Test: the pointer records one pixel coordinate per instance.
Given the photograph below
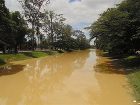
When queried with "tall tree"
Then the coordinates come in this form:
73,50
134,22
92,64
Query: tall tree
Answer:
53,26
20,27
33,13
117,29
81,40
5,24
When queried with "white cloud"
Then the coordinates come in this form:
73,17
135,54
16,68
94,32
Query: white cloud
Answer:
78,14
85,11
13,5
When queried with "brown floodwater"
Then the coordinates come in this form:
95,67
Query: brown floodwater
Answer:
65,79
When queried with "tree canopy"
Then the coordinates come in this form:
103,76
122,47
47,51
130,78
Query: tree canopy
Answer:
37,28
118,29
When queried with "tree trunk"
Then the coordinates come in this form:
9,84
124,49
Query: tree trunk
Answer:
33,46
3,50
16,49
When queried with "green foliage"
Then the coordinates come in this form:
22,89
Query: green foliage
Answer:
5,22
7,58
2,62
15,34
117,29
12,29
61,36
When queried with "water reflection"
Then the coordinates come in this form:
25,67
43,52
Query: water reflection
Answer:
40,77
10,69
67,79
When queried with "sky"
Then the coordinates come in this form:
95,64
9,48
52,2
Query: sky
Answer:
79,13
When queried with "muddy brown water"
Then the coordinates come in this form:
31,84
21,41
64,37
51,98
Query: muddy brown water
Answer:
66,79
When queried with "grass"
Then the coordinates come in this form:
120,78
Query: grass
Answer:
134,80
7,58
130,57
133,63
35,54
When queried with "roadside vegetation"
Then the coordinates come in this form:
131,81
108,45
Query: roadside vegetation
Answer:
7,58
117,32
37,28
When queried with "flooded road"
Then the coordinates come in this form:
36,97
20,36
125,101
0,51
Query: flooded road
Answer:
66,79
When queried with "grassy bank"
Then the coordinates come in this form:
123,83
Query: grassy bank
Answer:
7,58
133,64
130,64
134,79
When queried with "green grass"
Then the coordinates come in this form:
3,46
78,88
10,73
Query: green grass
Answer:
131,61
134,79
35,54
130,57
6,58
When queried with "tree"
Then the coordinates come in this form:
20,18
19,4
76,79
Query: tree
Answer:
132,7
5,25
20,29
117,29
52,26
33,14
81,40
12,29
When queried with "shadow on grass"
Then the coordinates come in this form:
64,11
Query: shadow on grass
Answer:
29,54
2,62
128,65
10,69
119,64
37,54
109,68
50,52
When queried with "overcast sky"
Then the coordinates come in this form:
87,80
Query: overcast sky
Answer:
79,13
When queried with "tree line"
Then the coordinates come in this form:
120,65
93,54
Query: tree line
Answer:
118,29
36,28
